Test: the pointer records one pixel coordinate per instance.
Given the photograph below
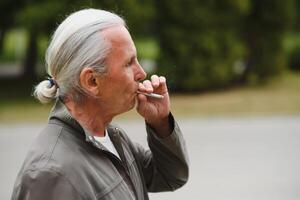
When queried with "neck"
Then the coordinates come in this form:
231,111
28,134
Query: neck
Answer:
90,116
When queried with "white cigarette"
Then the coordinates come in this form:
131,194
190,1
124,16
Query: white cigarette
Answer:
158,96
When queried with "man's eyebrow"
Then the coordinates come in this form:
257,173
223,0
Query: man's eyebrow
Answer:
131,57
127,60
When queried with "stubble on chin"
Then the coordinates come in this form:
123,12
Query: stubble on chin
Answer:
134,102
131,105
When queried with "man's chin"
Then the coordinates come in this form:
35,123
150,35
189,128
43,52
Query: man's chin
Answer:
131,106
134,102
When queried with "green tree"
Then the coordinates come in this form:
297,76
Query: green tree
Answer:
41,17
8,10
200,42
264,31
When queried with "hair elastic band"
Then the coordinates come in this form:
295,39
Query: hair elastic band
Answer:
52,82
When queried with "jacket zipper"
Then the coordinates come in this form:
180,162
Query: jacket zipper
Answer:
127,177
125,169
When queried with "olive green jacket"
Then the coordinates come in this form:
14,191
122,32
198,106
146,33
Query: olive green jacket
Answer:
64,163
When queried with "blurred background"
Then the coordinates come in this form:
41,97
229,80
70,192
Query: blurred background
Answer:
233,70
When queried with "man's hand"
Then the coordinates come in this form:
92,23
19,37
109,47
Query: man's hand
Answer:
155,111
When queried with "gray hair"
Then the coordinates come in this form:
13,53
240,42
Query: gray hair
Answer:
77,43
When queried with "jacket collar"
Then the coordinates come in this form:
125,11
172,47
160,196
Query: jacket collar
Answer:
60,113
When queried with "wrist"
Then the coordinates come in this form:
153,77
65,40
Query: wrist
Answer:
162,127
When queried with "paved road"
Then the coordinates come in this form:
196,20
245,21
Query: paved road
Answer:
231,159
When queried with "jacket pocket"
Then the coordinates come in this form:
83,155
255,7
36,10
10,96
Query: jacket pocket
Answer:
117,191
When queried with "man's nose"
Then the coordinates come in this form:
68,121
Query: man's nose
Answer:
140,73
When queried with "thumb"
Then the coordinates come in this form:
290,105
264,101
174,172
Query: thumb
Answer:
141,102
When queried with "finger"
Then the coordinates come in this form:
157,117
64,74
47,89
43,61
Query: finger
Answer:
155,81
163,84
141,96
142,99
148,86
142,88
162,80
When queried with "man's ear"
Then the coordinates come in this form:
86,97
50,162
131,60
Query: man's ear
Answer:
88,81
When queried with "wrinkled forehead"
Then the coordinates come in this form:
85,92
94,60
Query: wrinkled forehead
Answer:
117,35
119,39
122,47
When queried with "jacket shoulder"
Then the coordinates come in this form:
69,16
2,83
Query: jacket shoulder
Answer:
42,148
33,184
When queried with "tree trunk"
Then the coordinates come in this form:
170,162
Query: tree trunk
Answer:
30,60
2,35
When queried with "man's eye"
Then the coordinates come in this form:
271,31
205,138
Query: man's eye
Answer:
128,64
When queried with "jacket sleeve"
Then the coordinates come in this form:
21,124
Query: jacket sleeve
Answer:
46,184
165,165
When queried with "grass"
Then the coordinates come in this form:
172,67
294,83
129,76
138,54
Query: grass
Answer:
279,97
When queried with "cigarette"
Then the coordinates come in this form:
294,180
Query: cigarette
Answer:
158,96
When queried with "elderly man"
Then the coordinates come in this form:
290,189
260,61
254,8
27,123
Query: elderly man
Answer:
95,75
